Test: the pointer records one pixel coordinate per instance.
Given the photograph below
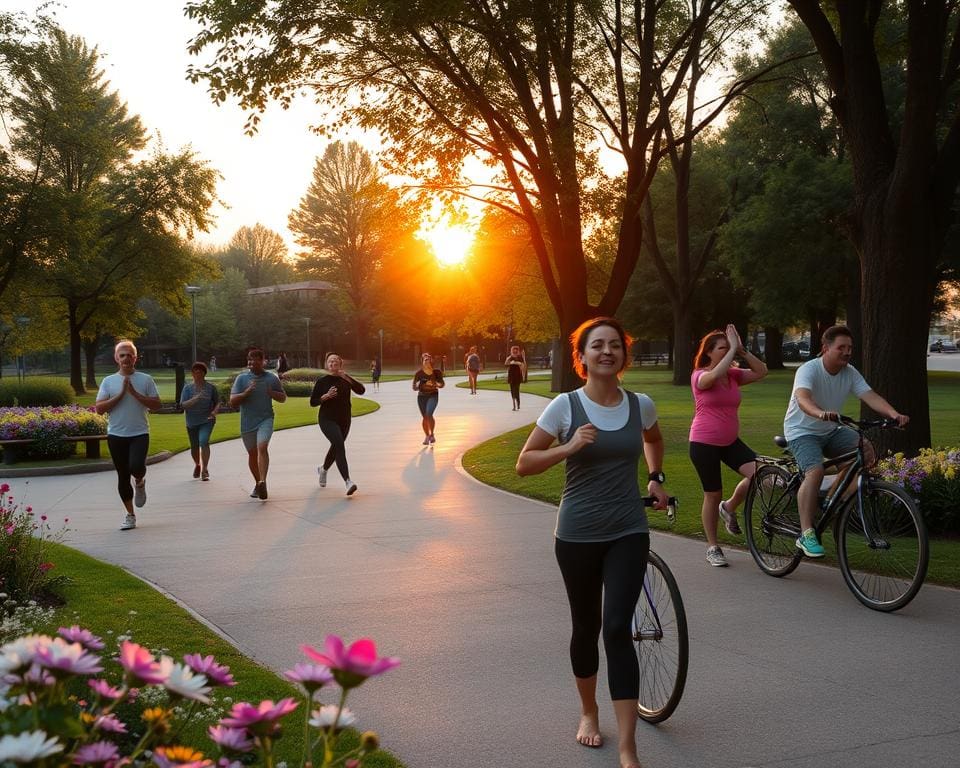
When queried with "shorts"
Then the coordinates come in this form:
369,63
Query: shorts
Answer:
706,460
200,434
810,450
259,436
427,404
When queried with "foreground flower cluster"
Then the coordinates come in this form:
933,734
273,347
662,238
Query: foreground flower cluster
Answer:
48,425
58,708
26,571
934,478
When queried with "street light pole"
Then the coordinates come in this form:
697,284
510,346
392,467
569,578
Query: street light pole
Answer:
193,290
381,348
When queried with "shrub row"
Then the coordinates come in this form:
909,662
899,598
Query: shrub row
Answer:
294,387
933,478
36,391
48,426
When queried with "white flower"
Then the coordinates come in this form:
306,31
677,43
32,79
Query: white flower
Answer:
19,653
28,747
327,716
180,680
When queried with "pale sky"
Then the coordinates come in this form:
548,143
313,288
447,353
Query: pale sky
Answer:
142,45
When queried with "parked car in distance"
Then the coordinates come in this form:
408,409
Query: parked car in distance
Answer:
794,351
943,345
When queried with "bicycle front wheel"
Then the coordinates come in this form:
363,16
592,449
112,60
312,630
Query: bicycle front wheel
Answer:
884,551
662,645
772,521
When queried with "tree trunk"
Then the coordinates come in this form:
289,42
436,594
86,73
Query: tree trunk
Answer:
773,347
76,372
90,353
682,345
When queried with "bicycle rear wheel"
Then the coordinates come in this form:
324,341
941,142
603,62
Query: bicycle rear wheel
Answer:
662,645
884,552
772,521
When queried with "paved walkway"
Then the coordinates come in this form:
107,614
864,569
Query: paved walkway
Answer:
459,581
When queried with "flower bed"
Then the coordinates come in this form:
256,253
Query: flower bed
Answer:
48,426
933,478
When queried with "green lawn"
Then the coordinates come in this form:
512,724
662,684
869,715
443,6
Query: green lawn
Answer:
110,602
761,417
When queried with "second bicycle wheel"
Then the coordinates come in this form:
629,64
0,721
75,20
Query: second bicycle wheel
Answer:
661,642
883,552
772,520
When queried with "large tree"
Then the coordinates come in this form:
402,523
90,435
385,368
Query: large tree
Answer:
906,170
261,254
544,90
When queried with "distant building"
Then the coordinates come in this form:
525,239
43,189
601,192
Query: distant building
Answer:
302,290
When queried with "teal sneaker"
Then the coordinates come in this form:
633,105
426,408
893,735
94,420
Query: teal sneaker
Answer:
809,545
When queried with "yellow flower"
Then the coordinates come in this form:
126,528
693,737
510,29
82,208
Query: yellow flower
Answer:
180,754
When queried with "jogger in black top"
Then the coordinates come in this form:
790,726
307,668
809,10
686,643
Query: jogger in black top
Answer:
332,394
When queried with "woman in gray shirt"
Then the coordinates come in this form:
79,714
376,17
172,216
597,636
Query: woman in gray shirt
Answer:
602,538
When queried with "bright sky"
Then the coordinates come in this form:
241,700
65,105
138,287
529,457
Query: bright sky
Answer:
142,44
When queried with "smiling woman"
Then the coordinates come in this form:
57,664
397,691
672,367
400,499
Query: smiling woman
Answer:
450,243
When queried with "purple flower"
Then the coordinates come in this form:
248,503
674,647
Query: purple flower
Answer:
353,664
85,637
99,753
260,719
65,658
310,676
217,674
231,739
109,724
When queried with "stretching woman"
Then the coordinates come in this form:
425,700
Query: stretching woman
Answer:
427,383
332,394
602,538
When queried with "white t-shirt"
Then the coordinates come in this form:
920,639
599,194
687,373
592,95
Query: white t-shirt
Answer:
830,391
557,417
128,418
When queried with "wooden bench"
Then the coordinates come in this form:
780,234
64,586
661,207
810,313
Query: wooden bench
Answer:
12,448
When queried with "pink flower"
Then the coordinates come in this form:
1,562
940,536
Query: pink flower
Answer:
230,739
99,753
103,689
310,676
217,674
351,665
85,637
65,658
139,664
261,719
179,680
4,488
109,724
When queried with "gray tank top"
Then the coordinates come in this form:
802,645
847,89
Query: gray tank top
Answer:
601,496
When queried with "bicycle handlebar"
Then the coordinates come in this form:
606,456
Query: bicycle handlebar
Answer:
863,424
672,503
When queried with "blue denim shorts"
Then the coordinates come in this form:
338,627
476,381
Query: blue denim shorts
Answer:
200,434
810,450
259,436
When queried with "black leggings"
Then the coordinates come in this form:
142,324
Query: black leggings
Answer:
129,456
515,392
336,433
604,580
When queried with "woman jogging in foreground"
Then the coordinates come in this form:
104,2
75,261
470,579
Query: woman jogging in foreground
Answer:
332,394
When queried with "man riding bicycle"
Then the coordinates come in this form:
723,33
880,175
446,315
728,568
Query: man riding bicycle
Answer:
820,388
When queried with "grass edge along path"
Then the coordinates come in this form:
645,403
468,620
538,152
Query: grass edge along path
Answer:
761,416
110,601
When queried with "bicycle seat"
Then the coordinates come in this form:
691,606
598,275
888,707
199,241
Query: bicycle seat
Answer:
780,440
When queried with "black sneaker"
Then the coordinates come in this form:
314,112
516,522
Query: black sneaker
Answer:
262,489
253,493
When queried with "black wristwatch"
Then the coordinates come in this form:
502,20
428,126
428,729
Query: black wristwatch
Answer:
657,477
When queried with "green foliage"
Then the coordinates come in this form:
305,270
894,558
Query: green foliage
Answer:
934,478
26,568
36,390
303,374
298,388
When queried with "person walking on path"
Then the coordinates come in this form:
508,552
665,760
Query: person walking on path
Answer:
375,372
332,394
253,393
282,365
200,402
427,383
715,430
471,362
516,369
127,396
602,537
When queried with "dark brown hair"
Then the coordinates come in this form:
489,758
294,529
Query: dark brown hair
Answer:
578,342
707,343
830,335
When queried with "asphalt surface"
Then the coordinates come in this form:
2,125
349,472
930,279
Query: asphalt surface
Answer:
459,581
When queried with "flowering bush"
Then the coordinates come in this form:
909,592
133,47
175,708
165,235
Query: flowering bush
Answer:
48,426
43,724
934,478
26,572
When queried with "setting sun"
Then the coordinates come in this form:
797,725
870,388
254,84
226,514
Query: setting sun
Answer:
450,243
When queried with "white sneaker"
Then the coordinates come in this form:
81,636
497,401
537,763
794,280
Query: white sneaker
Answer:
351,487
716,557
140,492
130,521
729,520
322,477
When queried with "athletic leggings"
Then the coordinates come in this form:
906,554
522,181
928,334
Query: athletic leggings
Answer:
604,580
515,392
336,433
129,456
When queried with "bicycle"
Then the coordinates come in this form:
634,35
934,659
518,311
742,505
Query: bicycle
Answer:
880,537
660,638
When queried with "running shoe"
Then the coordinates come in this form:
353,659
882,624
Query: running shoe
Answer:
262,489
322,477
426,440
140,492
254,494
809,545
129,522
351,487
716,557
433,439
205,475
196,471
729,520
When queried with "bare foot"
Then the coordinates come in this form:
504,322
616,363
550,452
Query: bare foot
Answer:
588,733
629,760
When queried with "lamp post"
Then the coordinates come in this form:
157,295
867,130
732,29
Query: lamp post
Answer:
193,290
380,359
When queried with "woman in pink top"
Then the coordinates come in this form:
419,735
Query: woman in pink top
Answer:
714,433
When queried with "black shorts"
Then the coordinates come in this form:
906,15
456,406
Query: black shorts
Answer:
706,460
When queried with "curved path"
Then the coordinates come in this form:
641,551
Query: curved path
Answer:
459,581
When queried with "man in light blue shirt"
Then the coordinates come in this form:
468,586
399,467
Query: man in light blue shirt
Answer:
820,389
253,392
